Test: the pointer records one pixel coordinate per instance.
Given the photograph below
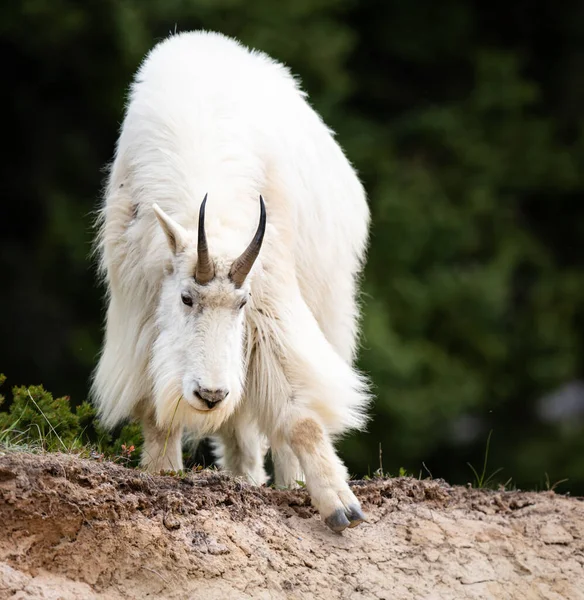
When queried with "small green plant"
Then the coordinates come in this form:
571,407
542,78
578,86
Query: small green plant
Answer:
481,480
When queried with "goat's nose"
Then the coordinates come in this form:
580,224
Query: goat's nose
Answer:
211,397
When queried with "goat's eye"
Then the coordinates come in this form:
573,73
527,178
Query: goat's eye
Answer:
186,299
243,303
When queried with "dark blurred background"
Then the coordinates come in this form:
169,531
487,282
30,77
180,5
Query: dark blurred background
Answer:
465,121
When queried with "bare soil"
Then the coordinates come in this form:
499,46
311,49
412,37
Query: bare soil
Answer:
73,529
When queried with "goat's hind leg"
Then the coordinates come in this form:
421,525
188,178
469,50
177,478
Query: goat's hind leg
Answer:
240,448
287,470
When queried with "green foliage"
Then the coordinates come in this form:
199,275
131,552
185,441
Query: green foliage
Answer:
469,310
36,420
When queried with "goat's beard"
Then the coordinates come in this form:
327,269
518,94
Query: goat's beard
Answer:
173,410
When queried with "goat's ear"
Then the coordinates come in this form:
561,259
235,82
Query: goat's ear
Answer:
176,235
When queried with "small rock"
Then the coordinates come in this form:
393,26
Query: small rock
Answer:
215,548
552,533
432,555
171,522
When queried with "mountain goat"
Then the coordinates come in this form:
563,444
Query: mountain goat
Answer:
231,239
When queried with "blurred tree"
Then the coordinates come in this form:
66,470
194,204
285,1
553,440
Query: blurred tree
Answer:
475,262
465,122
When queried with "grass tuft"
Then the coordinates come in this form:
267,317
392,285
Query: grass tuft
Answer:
482,481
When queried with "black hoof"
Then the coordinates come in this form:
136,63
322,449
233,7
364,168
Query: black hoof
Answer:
338,521
355,515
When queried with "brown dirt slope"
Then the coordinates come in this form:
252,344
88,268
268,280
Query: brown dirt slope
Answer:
80,529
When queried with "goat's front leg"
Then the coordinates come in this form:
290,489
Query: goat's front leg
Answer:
326,476
162,450
313,393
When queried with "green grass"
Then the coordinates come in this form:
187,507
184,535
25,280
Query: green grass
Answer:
482,480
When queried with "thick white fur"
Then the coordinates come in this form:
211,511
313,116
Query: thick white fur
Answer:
207,116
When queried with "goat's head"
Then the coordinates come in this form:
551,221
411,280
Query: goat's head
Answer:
201,317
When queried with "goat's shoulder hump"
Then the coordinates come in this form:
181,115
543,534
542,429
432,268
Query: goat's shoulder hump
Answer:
217,53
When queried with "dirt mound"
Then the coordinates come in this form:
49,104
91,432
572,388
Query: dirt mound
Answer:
80,529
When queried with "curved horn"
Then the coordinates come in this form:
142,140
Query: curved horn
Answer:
242,265
204,271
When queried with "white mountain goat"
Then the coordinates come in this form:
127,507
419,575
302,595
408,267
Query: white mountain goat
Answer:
250,342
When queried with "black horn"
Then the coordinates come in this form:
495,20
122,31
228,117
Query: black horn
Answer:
204,271
242,265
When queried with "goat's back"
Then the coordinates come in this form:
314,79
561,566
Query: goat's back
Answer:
208,116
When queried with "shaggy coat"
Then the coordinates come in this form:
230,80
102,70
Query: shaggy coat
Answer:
265,363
